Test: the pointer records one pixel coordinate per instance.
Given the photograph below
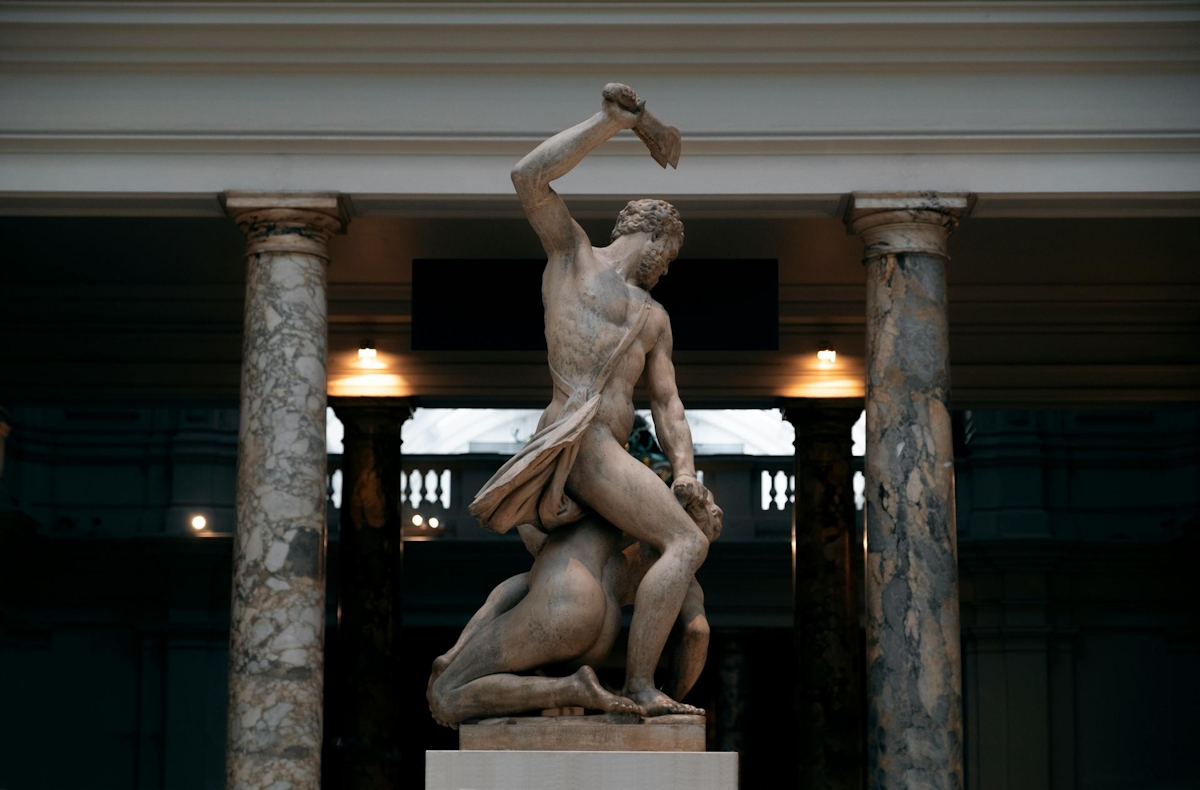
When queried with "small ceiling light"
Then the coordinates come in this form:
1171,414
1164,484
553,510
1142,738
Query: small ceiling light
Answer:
827,356
434,523
368,357
417,520
199,523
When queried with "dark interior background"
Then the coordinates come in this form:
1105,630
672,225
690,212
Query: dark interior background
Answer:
495,305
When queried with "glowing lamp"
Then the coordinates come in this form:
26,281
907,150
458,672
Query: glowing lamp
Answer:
199,523
368,357
434,523
417,520
827,356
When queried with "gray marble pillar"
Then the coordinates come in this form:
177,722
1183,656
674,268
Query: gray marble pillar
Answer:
826,588
914,667
369,732
278,615
732,695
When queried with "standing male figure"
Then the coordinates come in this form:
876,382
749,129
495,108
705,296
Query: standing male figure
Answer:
603,331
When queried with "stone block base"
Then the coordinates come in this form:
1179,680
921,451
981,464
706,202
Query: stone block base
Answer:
503,770
602,733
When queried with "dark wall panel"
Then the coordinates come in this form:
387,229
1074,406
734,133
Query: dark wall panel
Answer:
496,305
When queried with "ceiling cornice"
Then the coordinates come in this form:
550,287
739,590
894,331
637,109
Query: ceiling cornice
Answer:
119,107
684,36
698,144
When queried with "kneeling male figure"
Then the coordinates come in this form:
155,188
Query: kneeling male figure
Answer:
566,611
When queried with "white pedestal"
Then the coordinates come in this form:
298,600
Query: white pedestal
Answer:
500,770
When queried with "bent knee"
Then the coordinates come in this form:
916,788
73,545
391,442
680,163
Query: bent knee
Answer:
690,545
697,629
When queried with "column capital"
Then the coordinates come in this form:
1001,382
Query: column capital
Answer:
807,413
368,416
283,222
892,223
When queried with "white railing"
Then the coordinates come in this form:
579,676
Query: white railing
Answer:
756,493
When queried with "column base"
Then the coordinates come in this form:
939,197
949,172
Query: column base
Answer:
525,770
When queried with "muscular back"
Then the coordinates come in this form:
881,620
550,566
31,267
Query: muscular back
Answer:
589,308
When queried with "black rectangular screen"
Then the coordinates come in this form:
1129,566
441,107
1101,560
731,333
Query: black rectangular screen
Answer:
496,305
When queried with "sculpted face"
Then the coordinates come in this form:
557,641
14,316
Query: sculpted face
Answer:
655,260
656,224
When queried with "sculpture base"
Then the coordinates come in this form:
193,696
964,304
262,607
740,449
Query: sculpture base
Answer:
600,733
562,770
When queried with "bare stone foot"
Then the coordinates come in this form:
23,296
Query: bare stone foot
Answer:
451,724
657,703
593,696
434,714
436,717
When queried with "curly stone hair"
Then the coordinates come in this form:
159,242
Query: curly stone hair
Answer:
651,216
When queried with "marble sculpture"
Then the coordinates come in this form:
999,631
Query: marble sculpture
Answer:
604,529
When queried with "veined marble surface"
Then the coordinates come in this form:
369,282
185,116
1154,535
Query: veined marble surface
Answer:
914,683
277,630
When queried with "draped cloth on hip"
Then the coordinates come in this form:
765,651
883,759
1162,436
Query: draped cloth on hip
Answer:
530,487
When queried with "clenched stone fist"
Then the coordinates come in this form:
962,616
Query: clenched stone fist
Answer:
622,104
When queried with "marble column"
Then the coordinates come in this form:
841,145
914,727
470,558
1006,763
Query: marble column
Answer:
732,695
368,733
826,582
914,666
278,615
